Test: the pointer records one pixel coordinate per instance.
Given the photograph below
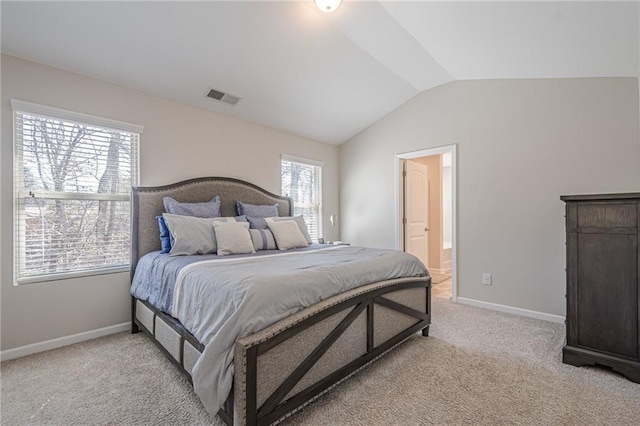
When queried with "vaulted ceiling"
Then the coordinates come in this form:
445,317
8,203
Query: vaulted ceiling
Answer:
322,76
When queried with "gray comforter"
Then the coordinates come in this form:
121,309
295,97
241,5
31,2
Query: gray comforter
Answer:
222,300
156,274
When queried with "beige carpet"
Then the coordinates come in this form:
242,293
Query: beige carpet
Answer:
478,368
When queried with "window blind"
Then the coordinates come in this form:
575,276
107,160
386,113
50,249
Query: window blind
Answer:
73,179
302,181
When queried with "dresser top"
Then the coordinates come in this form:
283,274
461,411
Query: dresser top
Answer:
594,197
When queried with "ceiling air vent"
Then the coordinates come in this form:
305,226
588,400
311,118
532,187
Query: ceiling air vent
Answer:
223,97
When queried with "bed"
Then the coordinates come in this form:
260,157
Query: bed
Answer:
281,367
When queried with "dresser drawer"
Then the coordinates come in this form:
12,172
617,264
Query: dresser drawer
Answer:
603,216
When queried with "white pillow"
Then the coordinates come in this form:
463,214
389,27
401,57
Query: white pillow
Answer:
192,235
299,220
233,238
287,234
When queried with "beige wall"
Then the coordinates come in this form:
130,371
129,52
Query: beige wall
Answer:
521,144
178,142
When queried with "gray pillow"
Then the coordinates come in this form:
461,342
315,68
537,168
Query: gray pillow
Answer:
287,234
233,238
206,209
299,220
255,210
263,239
192,235
256,222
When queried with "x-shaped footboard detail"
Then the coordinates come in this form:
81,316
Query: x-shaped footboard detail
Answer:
335,350
310,361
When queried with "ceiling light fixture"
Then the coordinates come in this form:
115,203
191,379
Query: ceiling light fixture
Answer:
327,5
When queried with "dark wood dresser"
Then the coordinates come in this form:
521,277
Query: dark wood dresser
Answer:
603,265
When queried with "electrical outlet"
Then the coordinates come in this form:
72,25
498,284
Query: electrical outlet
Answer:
486,279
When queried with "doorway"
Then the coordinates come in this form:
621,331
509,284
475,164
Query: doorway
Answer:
426,213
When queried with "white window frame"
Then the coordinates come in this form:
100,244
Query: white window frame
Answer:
19,192
307,161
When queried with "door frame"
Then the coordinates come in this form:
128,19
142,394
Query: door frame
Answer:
399,231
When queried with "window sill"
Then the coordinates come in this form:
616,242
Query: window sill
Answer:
71,275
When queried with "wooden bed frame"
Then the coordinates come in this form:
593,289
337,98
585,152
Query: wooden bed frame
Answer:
282,368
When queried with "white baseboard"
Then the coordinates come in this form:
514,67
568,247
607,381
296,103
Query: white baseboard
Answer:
511,310
62,341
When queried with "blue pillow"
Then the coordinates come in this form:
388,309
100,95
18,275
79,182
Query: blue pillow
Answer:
206,209
254,210
257,222
165,237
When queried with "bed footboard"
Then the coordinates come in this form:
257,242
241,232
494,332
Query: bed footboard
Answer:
292,362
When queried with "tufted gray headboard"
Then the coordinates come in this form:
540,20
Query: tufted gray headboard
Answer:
147,204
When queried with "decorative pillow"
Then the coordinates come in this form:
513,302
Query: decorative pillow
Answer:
287,234
233,238
299,220
254,210
263,239
224,219
207,209
165,237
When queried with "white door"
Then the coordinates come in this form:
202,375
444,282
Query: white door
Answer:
416,208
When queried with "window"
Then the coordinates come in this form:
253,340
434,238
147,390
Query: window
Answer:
302,181
72,196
